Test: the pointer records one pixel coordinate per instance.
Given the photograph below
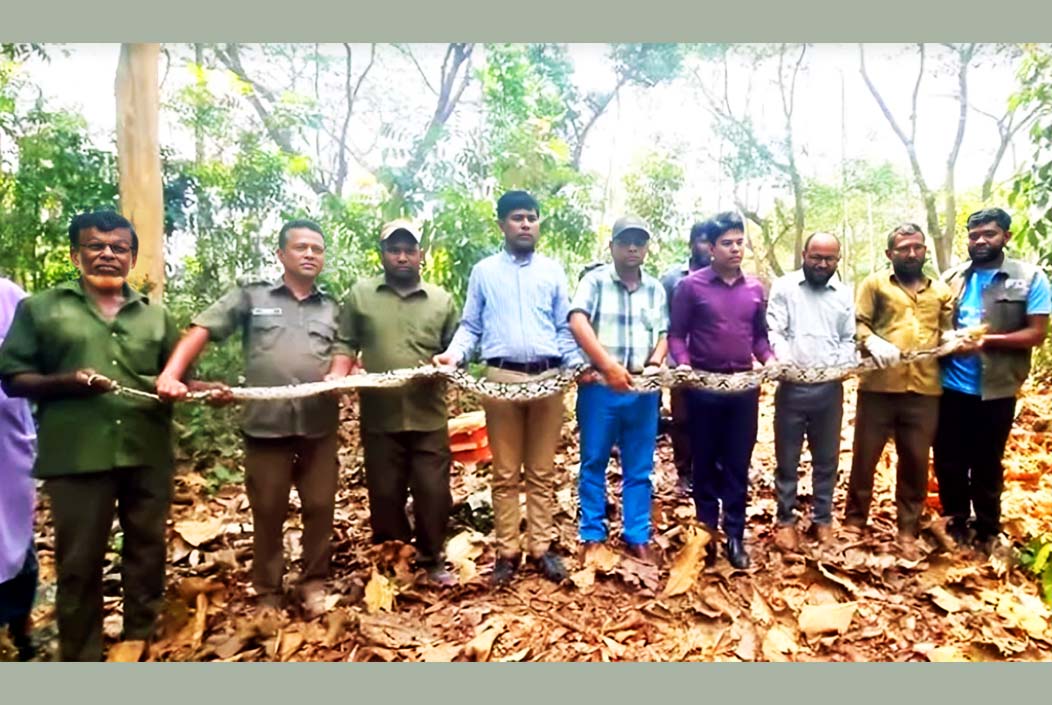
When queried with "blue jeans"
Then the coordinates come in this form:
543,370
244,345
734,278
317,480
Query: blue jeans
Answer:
630,420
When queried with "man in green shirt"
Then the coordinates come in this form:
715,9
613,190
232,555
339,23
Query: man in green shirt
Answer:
97,450
288,337
397,321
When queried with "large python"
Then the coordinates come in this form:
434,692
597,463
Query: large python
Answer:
557,382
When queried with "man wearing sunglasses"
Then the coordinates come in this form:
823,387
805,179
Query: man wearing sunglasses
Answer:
98,452
619,318
896,310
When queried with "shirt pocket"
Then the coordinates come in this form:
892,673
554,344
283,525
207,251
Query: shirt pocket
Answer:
321,335
264,332
143,356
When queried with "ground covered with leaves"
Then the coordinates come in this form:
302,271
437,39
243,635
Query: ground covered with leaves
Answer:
852,601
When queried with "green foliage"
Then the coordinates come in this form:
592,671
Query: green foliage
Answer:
1032,189
1036,559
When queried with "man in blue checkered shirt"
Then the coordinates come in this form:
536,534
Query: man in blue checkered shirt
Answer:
619,316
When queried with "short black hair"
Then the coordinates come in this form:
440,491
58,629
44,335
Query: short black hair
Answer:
104,221
821,232
991,215
904,229
283,235
515,200
700,230
723,223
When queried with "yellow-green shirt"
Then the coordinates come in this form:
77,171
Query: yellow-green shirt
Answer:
60,331
910,321
396,331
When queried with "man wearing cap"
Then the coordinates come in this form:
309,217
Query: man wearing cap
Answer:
516,312
619,318
100,455
397,321
289,337
700,257
718,325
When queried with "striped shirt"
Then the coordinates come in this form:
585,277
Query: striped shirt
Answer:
627,323
516,309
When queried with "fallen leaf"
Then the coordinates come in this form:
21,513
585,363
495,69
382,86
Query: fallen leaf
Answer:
462,550
779,641
822,619
196,533
200,620
394,631
229,648
335,624
180,549
601,558
517,656
638,573
442,652
126,651
290,644
584,578
379,594
480,648
687,564
945,599
189,588
746,648
616,650
759,608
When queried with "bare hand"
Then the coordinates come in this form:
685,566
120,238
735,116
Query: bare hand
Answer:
219,394
445,359
618,378
589,376
171,389
97,383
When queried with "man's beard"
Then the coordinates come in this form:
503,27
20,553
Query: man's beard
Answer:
990,254
908,271
815,279
105,282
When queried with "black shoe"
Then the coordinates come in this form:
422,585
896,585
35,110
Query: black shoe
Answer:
736,554
503,571
551,566
710,554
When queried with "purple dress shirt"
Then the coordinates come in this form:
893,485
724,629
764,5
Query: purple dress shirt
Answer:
718,327
17,448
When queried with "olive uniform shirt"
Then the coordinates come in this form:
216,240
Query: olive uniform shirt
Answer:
285,341
910,321
59,331
395,331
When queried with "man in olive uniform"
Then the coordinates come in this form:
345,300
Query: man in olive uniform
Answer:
98,451
397,321
289,337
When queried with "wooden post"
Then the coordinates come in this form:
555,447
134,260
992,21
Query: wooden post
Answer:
139,161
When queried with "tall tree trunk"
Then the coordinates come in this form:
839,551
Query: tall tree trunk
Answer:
139,161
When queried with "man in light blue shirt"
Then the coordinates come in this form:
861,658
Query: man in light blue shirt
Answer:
977,408
516,314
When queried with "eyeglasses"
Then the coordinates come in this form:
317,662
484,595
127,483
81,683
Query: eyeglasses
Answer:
631,239
823,259
97,248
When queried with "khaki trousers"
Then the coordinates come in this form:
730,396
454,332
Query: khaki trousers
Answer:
523,437
272,467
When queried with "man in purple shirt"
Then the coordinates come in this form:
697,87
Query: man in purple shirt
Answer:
719,324
18,565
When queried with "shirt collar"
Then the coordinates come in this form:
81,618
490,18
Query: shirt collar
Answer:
834,282
279,284
381,283
77,287
708,274
925,280
520,261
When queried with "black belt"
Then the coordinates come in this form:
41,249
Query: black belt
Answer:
530,368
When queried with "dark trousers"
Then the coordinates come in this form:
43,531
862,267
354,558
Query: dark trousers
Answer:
16,602
911,419
969,445
398,464
815,411
679,433
723,433
82,508
272,467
